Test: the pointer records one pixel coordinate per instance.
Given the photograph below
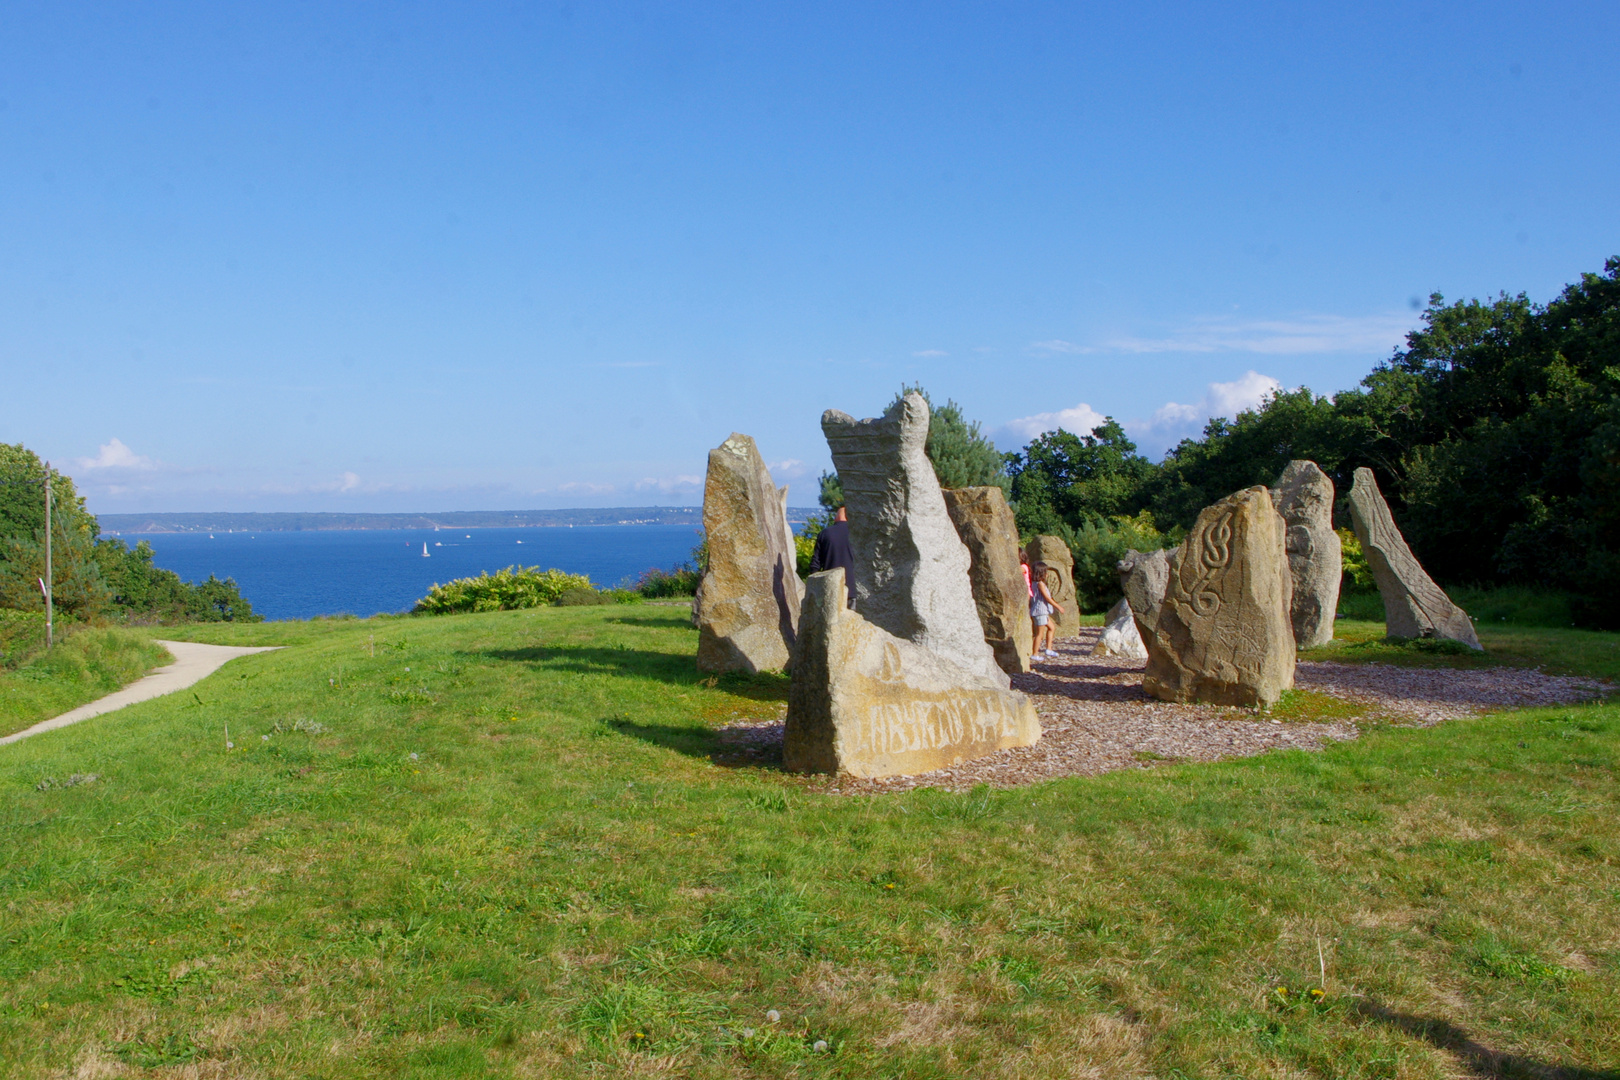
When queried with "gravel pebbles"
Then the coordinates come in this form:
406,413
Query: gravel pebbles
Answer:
1096,719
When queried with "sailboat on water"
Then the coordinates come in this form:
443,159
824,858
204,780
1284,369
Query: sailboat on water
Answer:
425,554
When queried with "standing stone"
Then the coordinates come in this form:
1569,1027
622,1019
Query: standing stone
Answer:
1119,636
1304,497
1144,576
864,702
1059,582
911,569
747,607
1223,634
1414,606
985,523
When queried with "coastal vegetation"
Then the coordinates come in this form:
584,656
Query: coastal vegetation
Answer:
95,578
1494,433
518,844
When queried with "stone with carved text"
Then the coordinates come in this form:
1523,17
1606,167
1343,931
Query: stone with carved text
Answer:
1223,633
1414,606
866,703
747,607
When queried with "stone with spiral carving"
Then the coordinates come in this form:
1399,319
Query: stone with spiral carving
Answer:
1223,634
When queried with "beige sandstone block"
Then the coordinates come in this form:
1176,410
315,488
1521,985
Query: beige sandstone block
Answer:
866,703
1223,633
985,523
747,607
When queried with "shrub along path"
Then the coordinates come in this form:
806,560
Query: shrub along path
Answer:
500,845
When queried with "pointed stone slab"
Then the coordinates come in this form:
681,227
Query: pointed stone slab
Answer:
911,569
1414,606
985,523
1223,634
1304,497
747,607
1119,636
866,703
1144,576
1059,561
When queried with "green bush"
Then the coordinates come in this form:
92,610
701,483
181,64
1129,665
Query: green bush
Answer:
1097,547
666,584
22,635
507,590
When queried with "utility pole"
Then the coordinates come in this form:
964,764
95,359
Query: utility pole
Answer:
50,582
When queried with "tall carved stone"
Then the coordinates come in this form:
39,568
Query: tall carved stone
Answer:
1059,582
1304,497
1414,606
1223,634
864,702
911,569
747,607
985,523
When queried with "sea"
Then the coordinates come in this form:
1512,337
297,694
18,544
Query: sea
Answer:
298,575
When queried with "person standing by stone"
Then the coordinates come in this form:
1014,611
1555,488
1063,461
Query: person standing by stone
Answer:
1042,607
833,550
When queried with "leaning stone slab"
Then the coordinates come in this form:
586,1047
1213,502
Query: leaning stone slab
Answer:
1144,576
1119,636
1223,634
985,523
1059,582
866,703
1414,606
747,607
1303,495
911,569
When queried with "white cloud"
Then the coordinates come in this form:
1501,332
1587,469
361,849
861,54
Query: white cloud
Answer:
1016,433
577,488
669,483
1057,345
931,352
1302,334
1173,419
787,468
350,482
115,455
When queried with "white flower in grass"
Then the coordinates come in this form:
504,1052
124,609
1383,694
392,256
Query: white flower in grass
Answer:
820,1047
773,1016
413,756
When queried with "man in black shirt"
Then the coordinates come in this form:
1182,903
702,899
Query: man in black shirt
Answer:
832,549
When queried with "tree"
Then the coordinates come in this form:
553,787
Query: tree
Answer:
961,454
77,588
1063,479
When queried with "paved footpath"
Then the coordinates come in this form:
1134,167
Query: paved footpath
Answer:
192,664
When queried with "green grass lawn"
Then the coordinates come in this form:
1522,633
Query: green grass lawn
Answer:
88,664
496,845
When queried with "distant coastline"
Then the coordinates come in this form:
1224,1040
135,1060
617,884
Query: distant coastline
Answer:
120,524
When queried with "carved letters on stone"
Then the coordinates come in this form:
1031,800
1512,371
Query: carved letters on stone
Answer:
866,703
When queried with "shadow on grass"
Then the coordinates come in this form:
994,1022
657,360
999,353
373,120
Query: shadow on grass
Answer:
664,622
1474,1056
675,668
741,747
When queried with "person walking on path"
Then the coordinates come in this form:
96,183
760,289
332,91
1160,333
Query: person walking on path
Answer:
832,549
1041,607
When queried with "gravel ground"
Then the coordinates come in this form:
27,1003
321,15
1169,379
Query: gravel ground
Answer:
1096,719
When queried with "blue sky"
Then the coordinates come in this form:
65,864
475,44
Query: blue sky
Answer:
432,257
